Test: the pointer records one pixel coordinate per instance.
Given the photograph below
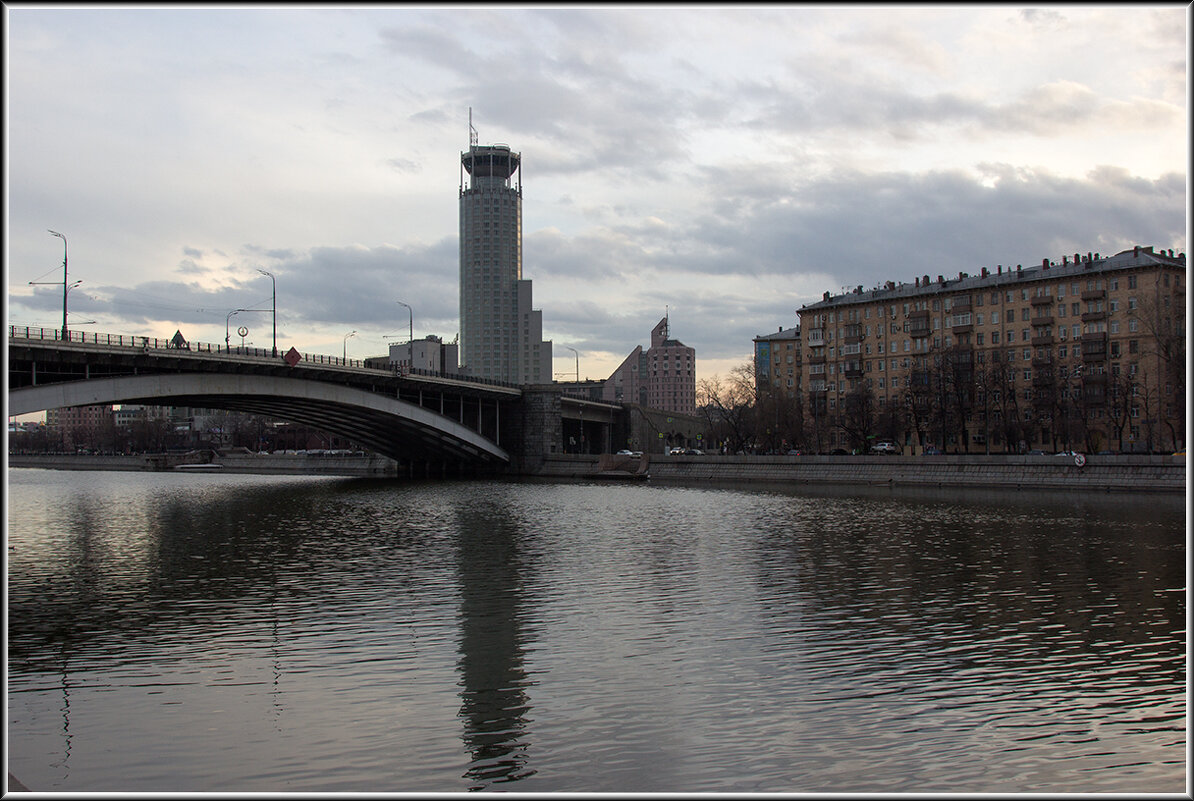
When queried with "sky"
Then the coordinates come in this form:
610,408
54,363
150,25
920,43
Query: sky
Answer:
722,165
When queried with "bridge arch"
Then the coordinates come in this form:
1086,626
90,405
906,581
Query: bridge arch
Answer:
390,426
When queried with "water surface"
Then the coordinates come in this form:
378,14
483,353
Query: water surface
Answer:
279,634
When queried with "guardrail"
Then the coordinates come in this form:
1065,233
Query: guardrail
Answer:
143,344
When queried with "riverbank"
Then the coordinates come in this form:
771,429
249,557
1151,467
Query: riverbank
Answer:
1106,473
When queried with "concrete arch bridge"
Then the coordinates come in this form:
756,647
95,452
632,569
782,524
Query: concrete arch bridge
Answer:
411,417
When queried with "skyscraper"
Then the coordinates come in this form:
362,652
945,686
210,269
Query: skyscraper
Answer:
501,336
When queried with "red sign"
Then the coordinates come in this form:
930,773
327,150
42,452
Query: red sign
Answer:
293,357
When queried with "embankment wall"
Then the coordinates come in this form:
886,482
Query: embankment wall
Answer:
262,464
1099,473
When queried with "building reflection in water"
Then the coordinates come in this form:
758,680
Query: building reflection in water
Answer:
493,570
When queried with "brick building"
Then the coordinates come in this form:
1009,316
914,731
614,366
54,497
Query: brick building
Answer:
661,377
1086,354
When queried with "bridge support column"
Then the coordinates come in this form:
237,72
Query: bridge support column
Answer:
539,429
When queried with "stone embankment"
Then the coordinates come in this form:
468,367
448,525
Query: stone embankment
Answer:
1099,473
1107,473
262,464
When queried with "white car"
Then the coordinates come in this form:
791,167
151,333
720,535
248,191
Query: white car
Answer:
885,447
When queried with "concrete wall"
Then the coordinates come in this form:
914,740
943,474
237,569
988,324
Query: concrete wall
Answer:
1100,473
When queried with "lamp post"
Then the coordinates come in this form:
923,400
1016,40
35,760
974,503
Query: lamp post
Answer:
227,323
274,304
346,336
65,286
574,350
410,346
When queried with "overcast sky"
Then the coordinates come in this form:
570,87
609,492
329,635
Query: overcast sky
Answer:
724,165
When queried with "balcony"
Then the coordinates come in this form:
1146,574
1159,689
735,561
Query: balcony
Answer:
1042,339
1093,316
1042,300
1094,294
1042,379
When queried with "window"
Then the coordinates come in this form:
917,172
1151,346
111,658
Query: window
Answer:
994,337
979,338
994,318
1131,303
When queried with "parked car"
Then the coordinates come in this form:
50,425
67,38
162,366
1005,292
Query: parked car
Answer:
886,446
693,452
932,450
794,452
625,452
1065,453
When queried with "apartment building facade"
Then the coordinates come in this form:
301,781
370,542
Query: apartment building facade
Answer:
1087,354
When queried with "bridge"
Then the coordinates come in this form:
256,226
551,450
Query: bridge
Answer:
413,416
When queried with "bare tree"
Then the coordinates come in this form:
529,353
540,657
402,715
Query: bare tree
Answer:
857,418
727,403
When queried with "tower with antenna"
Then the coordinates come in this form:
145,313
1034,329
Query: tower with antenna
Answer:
501,336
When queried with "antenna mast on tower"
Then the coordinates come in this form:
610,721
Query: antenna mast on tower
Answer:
472,132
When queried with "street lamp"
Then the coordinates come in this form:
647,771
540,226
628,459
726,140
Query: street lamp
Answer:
410,348
65,286
227,335
346,336
574,350
274,304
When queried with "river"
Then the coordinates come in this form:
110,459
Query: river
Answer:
239,633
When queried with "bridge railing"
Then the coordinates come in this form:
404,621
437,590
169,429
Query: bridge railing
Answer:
141,343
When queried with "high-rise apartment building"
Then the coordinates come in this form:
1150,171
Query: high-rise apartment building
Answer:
1086,354
501,335
662,377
